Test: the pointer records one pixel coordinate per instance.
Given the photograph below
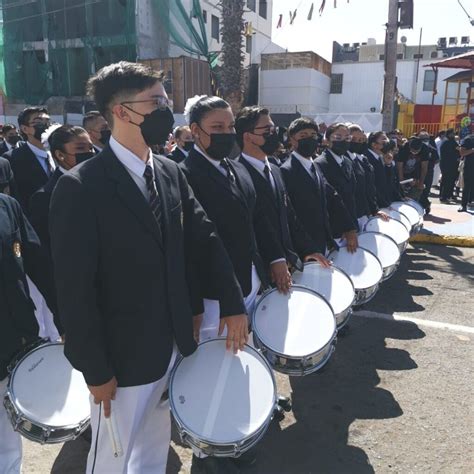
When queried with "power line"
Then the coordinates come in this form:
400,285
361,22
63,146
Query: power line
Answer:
465,11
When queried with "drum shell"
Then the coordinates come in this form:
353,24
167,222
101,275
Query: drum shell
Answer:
292,365
416,226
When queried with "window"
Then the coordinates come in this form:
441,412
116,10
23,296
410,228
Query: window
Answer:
262,8
418,56
204,16
215,27
382,57
251,4
336,83
400,56
429,81
248,44
434,54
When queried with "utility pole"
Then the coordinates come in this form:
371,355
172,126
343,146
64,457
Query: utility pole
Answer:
390,65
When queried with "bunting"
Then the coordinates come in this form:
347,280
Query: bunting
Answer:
293,16
310,13
280,20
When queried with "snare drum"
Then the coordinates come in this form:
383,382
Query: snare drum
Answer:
411,212
333,284
384,248
398,216
393,228
363,268
222,402
47,400
296,332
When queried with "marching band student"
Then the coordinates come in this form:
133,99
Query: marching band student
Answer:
97,128
366,194
258,140
338,169
317,204
133,224
184,144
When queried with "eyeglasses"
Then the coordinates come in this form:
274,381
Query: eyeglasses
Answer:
339,138
43,121
161,102
267,130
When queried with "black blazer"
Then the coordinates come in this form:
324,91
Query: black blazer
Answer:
317,204
123,289
28,173
371,190
39,209
361,195
3,147
238,218
342,180
177,155
291,235
20,254
394,188
380,179
6,176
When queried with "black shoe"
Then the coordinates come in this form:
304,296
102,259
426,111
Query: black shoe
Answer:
213,465
462,209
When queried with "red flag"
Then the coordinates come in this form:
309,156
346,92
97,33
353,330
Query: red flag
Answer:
280,20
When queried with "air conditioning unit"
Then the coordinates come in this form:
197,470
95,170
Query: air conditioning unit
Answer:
465,40
453,40
356,45
442,43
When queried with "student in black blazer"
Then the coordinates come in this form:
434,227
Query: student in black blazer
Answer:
317,204
184,144
124,227
338,168
31,164
6,177
258,139
69,145
10,140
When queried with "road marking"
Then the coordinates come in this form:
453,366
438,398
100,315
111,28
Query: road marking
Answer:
419,322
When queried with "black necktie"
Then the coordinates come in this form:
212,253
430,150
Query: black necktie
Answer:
345,169
154,197
267,172
314,173
230,175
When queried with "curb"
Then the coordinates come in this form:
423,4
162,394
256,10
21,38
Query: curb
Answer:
453,240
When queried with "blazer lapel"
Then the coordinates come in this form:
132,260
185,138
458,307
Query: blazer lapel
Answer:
163,185
130,195
305,176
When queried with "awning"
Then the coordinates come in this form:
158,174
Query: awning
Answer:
461,76
461,61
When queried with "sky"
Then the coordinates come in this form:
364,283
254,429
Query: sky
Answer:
358,20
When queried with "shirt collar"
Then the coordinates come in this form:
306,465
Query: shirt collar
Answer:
8,145
215,163
98,148
38,151
63,171
338,158
131,161
306,162
376,155
258,164
183,151
351,155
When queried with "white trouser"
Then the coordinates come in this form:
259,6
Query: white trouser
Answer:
211,319
10,440
43,315
143,426
362,221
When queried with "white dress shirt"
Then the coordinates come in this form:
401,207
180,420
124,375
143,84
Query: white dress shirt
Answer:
133,164
183,151
260,165
306,162
338,159
216,163
43,157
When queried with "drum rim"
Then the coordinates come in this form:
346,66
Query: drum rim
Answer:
388,237
389,209
373,255
10,393
336,269
395,220
210,441
420,217
277,352
415,205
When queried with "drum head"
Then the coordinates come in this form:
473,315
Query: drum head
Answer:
331,283
362,266
382,246
409,211
221,397
297,324
417,206
47,390
393,228
398,216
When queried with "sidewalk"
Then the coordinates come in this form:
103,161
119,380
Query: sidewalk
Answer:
445,225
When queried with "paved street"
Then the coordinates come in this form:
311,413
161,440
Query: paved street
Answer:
396,397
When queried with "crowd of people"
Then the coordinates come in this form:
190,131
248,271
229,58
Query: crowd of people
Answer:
140,257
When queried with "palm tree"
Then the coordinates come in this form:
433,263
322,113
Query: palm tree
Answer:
232,31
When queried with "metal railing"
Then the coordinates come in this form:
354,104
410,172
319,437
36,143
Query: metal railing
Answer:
432,128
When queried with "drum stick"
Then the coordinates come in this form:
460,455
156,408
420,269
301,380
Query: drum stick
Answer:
406,181
111,423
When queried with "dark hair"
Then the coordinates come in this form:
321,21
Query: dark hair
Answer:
301,123
178,131
450,131
90,117
415,143
333,127
121,79
355,128
441,132
8,127
373,137
25,114
204,105
247,119
62,135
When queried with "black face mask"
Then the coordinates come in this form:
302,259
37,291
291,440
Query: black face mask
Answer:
307,146
156,126
272,142
81,157
105,136
340,147
13,140
188,145
359,148
221,144
40,129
